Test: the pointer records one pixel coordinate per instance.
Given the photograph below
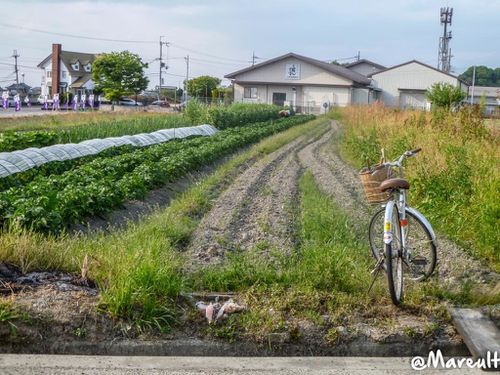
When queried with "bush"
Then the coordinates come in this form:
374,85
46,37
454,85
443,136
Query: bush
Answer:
197,112
242,113
445,95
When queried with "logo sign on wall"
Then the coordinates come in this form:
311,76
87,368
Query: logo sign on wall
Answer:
292,71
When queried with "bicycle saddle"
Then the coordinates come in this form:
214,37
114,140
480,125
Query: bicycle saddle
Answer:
394,183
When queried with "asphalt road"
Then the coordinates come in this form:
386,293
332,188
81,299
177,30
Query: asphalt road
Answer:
71,364
26,112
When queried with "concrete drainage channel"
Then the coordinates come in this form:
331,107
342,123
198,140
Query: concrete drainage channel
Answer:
360,347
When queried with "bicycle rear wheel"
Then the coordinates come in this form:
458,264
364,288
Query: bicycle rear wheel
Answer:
376,234
394,259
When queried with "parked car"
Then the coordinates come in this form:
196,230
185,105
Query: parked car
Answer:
129,102
161,103
41,100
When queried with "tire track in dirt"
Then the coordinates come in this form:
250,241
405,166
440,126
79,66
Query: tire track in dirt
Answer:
341,181
257,211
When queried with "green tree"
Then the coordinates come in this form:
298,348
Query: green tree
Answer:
484,76
117,74
445,95
202,87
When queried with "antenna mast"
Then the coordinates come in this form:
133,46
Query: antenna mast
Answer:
444,54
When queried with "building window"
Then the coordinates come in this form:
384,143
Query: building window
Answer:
250,92
87,68
63,74
49,74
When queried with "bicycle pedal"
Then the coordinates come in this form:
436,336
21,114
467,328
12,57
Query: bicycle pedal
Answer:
419,260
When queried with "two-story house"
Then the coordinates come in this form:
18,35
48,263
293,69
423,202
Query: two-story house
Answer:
65,71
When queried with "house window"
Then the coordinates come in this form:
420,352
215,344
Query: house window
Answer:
250,92
63,74
49,73
87,68
75,66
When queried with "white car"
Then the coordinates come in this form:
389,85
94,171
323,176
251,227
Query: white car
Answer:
129,102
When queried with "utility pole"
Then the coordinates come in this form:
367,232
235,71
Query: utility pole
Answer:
358,56
254,58
15,55
162,64
473,84
187,78
444,52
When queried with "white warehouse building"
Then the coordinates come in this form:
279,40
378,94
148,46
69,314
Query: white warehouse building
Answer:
311,86
405,85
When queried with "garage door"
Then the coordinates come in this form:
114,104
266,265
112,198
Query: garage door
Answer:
413,100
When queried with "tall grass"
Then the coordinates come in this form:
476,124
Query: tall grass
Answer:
455,179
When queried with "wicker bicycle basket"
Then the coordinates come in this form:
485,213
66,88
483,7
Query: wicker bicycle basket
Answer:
371,179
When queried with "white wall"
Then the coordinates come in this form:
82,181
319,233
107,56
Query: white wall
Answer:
410,76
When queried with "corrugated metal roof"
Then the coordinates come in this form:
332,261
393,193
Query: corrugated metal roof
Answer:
332,68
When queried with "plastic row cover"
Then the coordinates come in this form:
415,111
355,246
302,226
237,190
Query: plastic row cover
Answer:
22,160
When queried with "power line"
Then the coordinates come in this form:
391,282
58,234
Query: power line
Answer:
116,40
206,54
77,36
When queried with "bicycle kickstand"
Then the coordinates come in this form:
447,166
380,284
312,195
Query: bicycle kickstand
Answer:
376,271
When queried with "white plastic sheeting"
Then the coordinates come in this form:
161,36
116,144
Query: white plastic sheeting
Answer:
22,160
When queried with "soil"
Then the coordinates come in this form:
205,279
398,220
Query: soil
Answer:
257,211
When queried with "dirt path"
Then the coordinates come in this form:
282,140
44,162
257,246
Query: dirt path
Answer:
256,211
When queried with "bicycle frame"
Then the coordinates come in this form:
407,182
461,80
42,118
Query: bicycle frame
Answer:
389,208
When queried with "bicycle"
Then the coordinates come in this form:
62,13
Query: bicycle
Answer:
408,243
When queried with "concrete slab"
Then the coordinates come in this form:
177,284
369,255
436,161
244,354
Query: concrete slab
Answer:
478,331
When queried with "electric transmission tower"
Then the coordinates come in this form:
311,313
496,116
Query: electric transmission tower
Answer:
444,57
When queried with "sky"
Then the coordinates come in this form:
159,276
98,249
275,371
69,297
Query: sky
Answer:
221,36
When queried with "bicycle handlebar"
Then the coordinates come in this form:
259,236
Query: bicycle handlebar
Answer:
406,154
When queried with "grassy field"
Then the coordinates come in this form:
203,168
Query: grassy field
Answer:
455,179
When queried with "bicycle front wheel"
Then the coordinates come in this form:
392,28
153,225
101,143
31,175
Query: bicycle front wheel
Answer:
394,259
421,249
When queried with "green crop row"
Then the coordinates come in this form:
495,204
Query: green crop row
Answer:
50,203
58,167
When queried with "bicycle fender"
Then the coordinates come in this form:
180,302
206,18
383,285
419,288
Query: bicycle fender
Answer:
424,221
387,222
